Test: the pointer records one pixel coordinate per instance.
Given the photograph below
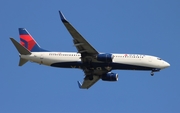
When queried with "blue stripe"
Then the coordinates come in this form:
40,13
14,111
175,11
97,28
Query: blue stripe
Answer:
102,65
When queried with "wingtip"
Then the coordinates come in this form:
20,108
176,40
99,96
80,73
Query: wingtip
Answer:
63,19
79,84
12,39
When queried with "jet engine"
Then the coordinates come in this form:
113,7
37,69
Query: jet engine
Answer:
105,57
110,77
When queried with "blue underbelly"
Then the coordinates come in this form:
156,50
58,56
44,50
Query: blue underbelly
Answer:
100,66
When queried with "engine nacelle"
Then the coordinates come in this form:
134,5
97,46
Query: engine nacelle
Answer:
110,77
105,57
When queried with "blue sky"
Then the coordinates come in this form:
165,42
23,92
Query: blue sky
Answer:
141,26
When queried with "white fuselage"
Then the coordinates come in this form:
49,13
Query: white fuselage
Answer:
120,61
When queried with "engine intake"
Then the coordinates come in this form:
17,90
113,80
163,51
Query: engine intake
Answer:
110,77
105,57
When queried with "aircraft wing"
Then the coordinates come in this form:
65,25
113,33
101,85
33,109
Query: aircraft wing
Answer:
87,54
88,83
81,44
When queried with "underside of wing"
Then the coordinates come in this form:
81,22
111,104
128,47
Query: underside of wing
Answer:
91,78
81,44
88,83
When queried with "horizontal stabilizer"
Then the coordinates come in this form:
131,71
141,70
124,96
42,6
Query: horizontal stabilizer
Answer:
22,50
22,61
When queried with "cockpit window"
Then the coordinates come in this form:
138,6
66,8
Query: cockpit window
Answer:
159,58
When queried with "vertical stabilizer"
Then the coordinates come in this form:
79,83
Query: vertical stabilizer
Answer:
28,41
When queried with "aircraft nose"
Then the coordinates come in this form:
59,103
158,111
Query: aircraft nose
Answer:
166,64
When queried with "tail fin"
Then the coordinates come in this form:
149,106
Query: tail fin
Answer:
22,50
28,41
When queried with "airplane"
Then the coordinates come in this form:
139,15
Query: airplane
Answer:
96,65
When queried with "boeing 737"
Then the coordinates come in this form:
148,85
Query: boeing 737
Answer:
96,65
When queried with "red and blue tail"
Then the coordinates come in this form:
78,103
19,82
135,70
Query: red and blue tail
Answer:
28,41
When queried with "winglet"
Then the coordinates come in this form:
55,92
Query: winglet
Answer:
63,19
79,84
